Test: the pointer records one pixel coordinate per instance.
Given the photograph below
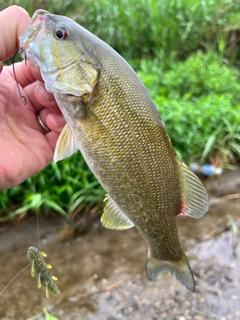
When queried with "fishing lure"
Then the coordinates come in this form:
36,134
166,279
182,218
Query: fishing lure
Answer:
40,269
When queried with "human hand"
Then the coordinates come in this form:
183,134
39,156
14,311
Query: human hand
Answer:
26,148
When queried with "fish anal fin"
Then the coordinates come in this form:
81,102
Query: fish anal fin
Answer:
180,268
195,200
113,217
66,145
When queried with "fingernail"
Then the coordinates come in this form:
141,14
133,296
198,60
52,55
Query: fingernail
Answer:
47,95
57,120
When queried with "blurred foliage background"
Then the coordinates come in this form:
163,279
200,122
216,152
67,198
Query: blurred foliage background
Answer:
187,53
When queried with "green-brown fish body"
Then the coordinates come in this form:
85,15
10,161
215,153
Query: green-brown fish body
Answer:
113,121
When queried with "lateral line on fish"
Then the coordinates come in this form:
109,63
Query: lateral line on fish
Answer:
144,167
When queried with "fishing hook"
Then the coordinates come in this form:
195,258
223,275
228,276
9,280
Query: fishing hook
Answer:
19,50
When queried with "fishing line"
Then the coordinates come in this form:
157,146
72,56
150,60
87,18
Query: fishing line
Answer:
38,227
15,76
14,278
39,242
38,220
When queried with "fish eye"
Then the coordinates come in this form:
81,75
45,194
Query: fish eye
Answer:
61,33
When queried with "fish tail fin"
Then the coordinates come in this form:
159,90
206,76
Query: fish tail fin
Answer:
180,268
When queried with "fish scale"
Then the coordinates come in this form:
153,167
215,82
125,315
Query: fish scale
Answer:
112,120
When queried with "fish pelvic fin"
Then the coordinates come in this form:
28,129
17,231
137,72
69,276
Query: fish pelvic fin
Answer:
113,217
180,268
66,145
195,200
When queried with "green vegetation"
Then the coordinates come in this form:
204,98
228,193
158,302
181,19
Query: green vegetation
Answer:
147,28
66,188
199,101
187,54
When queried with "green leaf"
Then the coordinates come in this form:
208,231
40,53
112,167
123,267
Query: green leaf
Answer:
48,316
208,147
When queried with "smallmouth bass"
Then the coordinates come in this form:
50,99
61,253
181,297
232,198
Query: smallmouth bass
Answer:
112,120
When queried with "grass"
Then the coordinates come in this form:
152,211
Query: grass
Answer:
184,51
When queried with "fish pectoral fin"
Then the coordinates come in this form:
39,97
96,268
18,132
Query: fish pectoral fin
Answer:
66,145
195,200
113,217
180,268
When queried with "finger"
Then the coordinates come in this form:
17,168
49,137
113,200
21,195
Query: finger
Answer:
25,73
52,138
46,98
25,79
51,121
29,90
41,117
36,72
55,122
13,22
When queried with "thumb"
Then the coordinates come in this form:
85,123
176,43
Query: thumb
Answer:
13,22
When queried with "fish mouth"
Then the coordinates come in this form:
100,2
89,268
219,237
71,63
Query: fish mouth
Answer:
34,33
38,46
35,29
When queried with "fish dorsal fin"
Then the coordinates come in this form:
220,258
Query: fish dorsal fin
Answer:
113,217
195,201
66,145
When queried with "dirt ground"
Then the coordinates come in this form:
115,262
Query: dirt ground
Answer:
102,273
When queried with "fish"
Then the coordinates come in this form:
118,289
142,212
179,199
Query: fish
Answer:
40,269
111,119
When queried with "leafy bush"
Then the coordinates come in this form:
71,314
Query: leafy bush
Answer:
148,28
66,188
199,102
158,28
